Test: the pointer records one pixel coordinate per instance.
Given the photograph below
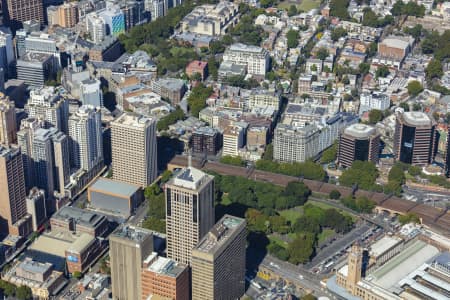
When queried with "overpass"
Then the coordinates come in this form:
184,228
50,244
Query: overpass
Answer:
435,218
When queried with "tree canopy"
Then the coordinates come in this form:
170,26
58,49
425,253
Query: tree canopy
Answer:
362,173
197,98
414,88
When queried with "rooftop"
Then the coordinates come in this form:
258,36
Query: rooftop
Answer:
165,266
132,233
416,118
384,244
246,48
114,187
57,242
190,178
134,120
219,234
360,131
80,216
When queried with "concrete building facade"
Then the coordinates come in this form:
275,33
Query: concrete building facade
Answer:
189,212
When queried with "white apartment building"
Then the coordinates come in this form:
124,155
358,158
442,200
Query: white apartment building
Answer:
256,59
85,131
211,19
263,98
91,93
133,144
46,104
233,140
96,27
293,143
373,100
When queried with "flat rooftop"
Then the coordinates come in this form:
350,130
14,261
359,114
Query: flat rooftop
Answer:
219,234
114,187
165,266
81,216
383,245
57,242
396,269
132,233
416,118
190,178
133,120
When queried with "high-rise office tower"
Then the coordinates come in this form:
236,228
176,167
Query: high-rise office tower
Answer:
46,104
6,52
61,156
218,261
21,35
358,142
20,11
133,144
85,130
128,248
415,138
189,212
165,278
12,187
96,27
45,155
114,20
91,93
8,130
42,156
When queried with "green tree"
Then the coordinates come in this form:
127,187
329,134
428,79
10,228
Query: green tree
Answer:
197,98
434,69
77,275
335,195
322,53
372,49
338,8
329,155
382,71
301,248
292,38
232,160
337,33
292,10
370,18
375,116
364,68
213,67
309,297
171,118
362,173
414,88
409,218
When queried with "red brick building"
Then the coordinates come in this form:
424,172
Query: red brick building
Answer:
197,66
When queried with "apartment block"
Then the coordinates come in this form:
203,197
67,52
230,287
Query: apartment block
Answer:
206,140
256,59
8,130
133,143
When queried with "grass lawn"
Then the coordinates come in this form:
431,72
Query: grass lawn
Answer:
327,206
326,233
304,5
292,214
277,240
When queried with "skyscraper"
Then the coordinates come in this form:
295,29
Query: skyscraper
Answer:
447,155
91,93
128,247
85,130
189,212
36,207
12,196
8,130
358,142
45,155
20,11
47,104
218,261
6,52
133,144
415,138
68,14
